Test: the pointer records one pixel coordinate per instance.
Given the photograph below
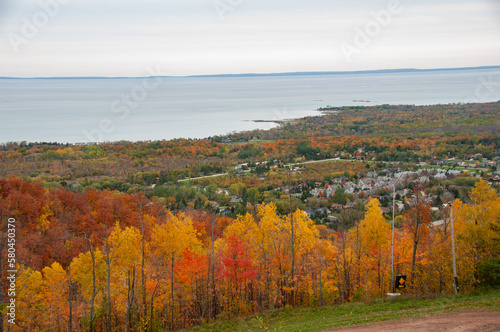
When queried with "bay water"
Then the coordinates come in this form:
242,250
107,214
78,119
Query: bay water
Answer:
74,110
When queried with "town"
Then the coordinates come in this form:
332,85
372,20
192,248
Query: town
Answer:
323,200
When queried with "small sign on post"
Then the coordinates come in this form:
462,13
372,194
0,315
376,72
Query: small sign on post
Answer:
400,281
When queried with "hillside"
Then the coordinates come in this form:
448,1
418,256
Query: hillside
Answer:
120,236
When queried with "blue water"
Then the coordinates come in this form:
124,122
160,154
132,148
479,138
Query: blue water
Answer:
83,110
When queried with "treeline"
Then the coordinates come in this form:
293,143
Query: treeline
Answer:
124,166
104,260
400,133
388,120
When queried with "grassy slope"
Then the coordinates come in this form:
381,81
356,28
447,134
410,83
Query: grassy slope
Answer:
317,319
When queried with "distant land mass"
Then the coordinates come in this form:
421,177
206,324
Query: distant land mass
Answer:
376,71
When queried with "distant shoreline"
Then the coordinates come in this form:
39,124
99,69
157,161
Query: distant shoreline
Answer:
292,121
321,112
306,73
280,122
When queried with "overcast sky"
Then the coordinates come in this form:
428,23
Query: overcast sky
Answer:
193,37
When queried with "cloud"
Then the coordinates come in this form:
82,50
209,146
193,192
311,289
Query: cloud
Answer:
121,37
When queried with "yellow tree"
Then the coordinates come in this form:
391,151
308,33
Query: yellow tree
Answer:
169,240
269,239
55,295
268,244
28,297
89,272
437,275
319,274
307,243
346,267
477,240
374,235
126,260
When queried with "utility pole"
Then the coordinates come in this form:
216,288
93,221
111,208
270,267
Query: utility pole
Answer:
212,263
392,242
455,278
293,237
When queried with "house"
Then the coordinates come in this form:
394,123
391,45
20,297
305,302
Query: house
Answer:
399,205
440,177
493,179
338,207
240,166
437,223
332,219
385,209
315,192
236,200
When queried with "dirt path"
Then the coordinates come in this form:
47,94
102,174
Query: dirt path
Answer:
457,322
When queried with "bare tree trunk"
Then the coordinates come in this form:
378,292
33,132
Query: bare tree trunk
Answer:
93,286
414,258
380,274
1,286
143,273
70,318
416,222
358,255
320,287
143,260
207,302
347,277
130,298
172,294
108,281
214,294
151,317
127,315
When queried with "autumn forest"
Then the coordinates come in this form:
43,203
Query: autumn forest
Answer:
129,236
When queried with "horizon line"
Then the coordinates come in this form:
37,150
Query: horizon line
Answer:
297,73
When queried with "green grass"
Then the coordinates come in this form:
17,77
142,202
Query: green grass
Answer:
458,168
317,319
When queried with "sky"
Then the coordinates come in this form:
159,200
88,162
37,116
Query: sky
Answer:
125,38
